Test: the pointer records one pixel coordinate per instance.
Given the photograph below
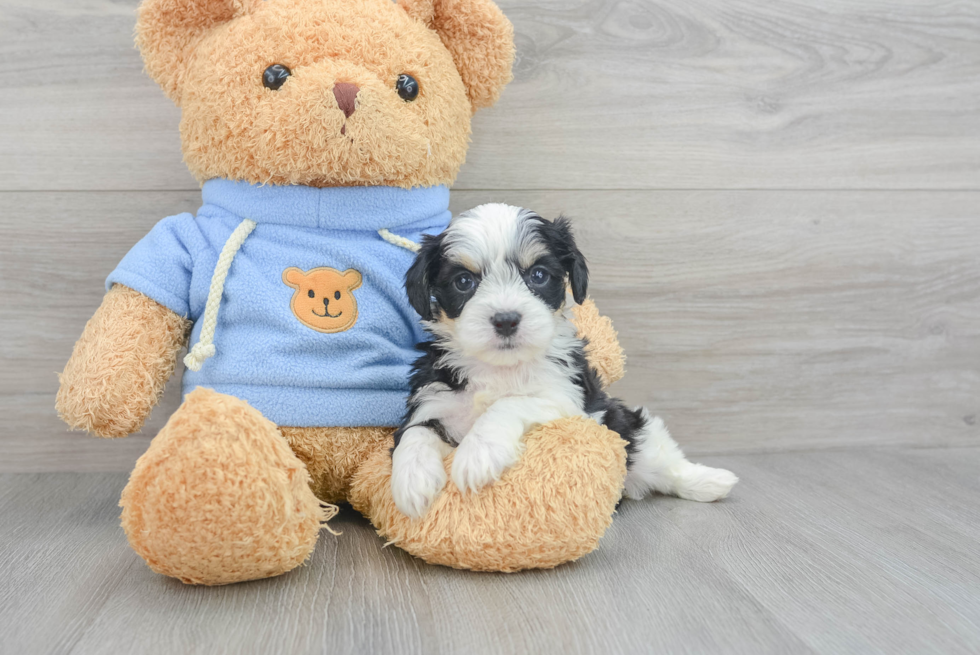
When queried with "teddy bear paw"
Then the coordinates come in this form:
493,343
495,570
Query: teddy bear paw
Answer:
480,460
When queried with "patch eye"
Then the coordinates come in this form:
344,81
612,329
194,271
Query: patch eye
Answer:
275,76
336,295
311,294
464,282
539,276
407,87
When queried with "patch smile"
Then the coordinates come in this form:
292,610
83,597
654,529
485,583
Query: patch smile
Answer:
326,314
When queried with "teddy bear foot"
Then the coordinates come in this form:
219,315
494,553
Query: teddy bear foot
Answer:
551,507
219,497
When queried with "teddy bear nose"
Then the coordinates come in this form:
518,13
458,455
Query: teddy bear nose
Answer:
346,94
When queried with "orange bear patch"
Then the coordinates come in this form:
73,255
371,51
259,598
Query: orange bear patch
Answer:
324,298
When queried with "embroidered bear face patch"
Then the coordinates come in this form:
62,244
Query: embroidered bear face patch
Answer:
324,297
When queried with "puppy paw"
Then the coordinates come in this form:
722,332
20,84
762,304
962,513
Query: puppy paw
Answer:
704,484
478,462
417,478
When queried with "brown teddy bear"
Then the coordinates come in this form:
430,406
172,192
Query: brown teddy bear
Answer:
326,133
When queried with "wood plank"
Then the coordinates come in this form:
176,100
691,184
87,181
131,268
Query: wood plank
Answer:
355,596
815,552
845,546
61,247
753,320
62,558
34,439
609,94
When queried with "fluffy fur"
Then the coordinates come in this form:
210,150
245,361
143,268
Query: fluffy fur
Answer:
210,56
505,357
238,504
523,521
223,495
602,347
121,364
334,455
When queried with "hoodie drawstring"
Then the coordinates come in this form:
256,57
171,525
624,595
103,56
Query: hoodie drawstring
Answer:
396,240
204,347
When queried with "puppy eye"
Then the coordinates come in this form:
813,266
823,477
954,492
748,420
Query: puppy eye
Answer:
407,87
311,294
275,76
464,282
539,276
336,295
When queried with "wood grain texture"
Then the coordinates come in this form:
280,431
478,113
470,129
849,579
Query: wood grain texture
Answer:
607,94
781,327
753,320
869,551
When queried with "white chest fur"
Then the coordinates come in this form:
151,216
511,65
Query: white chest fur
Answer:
544,381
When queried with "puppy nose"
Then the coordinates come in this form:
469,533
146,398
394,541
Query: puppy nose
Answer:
505,323
346,94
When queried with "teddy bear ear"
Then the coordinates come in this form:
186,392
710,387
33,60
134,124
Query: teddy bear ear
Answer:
478,36
293,277
167,31
352,278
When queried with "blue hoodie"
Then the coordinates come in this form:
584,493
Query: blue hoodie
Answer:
297,369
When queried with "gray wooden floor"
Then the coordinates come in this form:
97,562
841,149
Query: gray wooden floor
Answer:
858,551
780,201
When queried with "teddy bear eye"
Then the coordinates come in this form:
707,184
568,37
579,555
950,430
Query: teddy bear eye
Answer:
275,76
311,294
407,87
336,295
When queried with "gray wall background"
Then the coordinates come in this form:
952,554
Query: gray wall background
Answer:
779,201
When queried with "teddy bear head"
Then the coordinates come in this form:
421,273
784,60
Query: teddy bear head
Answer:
324,297
327,92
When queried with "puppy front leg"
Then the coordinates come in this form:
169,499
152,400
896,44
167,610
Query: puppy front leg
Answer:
494,443
417,471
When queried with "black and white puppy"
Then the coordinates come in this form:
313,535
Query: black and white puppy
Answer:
505,357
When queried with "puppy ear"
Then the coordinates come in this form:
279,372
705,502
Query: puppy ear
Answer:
418,279
168,31
571,258
478,36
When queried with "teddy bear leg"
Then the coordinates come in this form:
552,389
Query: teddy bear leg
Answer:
551,507
219,497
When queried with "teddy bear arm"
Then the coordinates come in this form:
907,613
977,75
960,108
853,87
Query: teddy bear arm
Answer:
550,508
120,364
602,350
